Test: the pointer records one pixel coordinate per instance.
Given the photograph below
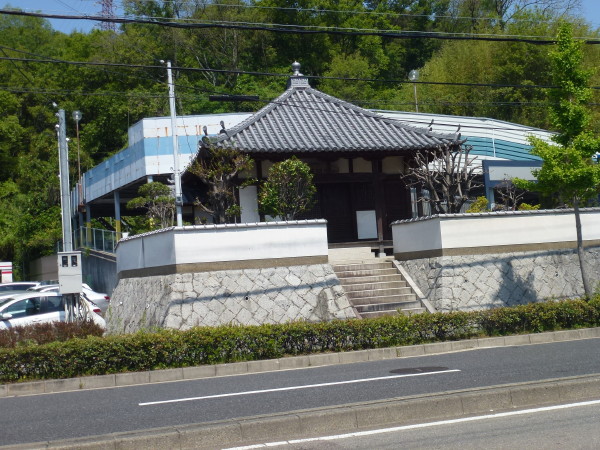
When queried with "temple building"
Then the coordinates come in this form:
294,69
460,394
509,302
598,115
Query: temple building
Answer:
358,157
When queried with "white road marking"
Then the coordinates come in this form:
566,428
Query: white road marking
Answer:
293,388
417,426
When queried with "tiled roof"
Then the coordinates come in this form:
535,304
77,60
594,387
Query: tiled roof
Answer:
305,120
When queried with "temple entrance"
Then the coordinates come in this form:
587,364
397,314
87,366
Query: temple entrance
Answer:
349,209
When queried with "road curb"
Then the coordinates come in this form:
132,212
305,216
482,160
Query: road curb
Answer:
343,419
288,363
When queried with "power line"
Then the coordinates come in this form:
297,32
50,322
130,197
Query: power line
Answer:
270,74
20,89
293,29
336,11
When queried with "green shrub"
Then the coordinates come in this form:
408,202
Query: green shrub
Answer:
527,207
94,355
479,205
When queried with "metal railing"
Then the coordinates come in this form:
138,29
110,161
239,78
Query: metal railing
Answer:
96,239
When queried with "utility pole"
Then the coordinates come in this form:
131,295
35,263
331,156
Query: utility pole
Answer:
176,174
67,257
65,199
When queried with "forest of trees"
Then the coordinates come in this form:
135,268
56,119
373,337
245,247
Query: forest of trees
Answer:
475,58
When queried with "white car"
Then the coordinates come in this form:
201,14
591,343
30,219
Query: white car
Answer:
18,286
97,298
39,307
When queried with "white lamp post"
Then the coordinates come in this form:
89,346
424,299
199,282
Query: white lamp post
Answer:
413,76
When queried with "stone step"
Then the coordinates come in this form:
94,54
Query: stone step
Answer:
379,293
392,277
374,314
342,255
387,306
406,298
381,285
362,266
365,273
391,312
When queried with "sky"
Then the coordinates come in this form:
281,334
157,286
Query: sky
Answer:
590,10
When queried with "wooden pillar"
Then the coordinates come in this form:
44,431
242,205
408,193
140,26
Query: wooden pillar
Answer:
379,202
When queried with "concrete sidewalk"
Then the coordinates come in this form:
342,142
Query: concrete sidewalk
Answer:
294,362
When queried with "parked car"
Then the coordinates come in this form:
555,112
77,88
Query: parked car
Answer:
100,299
39,307
11,293
18,286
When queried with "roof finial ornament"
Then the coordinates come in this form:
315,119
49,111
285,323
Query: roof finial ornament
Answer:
297,80
296,69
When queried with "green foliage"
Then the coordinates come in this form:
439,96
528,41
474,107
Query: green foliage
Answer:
479,205
570,111
527,207
568,170
289,189
213,345
112,99
158,200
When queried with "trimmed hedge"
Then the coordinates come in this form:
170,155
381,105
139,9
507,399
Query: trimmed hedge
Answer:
170,348
44,333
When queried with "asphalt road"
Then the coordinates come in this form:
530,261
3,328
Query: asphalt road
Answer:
575,427
95,412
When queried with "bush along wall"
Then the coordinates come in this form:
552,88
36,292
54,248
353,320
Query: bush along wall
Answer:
169,348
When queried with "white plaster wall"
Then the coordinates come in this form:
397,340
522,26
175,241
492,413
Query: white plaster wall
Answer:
393,164
230,242
493,229
361,165
249,204
417,235
341,165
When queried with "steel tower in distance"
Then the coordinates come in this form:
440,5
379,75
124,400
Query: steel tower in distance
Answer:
108,11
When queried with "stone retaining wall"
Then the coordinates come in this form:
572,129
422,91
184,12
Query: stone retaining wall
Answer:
475,282
246,297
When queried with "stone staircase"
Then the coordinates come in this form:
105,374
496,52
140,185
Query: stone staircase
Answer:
373,285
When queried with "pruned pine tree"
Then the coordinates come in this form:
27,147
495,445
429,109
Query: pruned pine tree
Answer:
218,167
159,203
448,174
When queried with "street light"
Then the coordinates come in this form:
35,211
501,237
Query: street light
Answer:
413,76
77,117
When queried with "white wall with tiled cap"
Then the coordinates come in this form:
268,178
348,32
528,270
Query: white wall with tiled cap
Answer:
220,243
464,231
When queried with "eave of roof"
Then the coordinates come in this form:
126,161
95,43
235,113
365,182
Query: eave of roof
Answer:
305,120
